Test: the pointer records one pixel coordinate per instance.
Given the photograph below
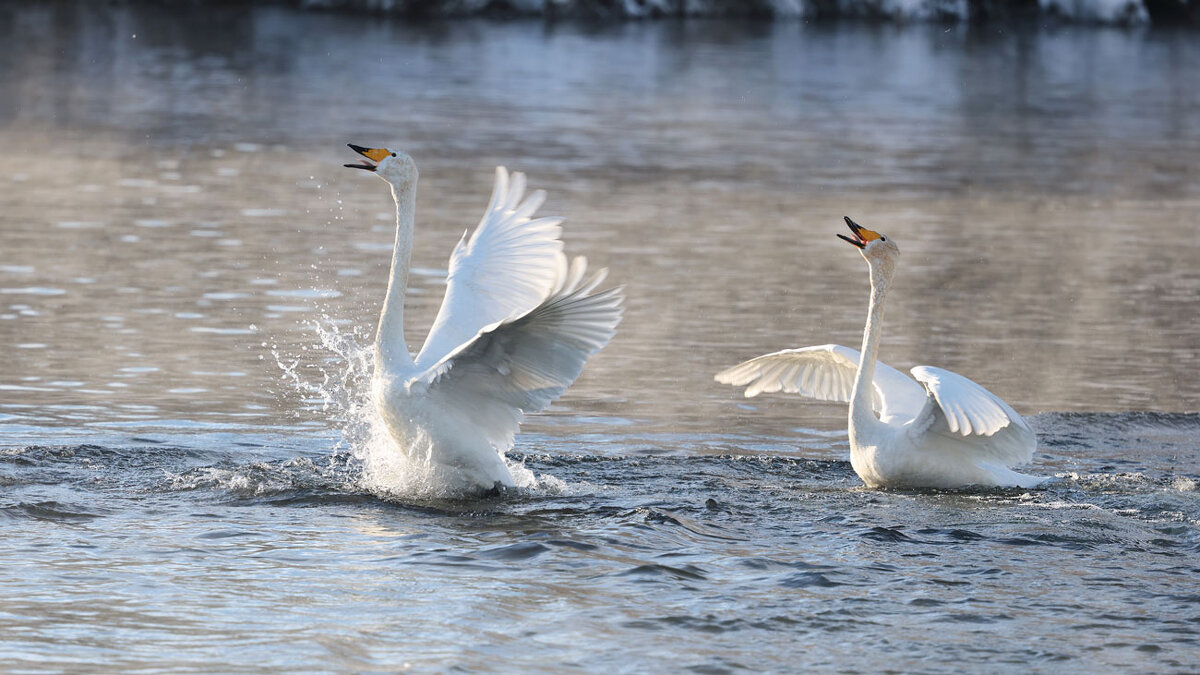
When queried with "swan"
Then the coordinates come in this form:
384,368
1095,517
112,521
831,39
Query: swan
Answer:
515,328
946,432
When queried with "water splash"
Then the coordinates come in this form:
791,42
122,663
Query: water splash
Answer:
343,392
266,479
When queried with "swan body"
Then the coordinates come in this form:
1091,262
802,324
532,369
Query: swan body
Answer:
516,326
936,429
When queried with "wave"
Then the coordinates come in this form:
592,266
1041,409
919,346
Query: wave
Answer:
1138,464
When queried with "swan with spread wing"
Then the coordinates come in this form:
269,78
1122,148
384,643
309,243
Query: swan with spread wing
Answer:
940,430
516,326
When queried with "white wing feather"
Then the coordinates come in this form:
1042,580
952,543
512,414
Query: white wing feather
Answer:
523,364
508,265
826,373
959,406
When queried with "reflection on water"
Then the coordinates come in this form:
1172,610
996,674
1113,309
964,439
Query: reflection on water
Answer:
175,209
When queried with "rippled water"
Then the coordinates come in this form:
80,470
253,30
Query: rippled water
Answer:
180,242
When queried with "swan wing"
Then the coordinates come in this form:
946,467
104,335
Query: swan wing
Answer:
826,373
957,406
521,365
502,270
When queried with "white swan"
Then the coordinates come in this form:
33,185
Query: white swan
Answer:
951,433
514,330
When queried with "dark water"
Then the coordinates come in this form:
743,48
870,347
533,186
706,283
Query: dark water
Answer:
187,278
209,555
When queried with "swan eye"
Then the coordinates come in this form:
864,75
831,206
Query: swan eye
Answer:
881,238
393,154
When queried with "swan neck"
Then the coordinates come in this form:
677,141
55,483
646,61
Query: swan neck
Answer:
391,351
862,412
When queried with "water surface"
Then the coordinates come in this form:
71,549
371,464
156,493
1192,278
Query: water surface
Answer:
179,236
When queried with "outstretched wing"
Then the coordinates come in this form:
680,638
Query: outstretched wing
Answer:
502,270
826,373
956,406
521,365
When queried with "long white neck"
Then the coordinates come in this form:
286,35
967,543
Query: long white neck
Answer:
391,351
862,413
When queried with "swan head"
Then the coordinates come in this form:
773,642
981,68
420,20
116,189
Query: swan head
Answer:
393,166
875,247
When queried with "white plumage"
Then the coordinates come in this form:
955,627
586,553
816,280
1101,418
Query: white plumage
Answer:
505,267
515,329
939,430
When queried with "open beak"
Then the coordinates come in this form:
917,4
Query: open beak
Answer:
862,236
375,154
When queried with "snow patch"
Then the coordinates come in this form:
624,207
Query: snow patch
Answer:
1103,11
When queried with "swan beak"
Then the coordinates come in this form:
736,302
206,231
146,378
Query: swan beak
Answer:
862,236
375,154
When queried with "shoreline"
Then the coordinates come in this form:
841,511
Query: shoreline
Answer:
1094,12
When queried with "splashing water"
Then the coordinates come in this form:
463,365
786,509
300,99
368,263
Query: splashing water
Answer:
344,392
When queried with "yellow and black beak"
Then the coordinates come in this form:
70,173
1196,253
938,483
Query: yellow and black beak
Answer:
374,154
862,236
